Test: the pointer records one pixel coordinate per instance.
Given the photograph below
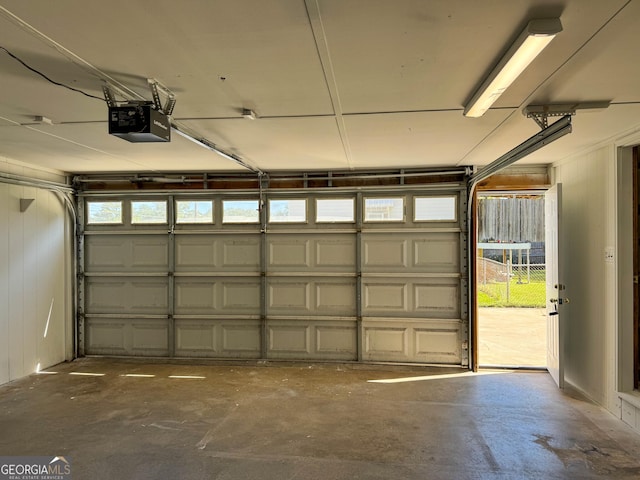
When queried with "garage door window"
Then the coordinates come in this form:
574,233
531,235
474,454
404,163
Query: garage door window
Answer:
434,209
333,210
148,212
287,211
240,211
194,211
384,209
104,213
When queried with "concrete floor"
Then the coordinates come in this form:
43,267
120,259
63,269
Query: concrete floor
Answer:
324,422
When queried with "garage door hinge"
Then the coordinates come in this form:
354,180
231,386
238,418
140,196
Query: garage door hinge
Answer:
465,345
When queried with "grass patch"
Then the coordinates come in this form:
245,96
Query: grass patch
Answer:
532,295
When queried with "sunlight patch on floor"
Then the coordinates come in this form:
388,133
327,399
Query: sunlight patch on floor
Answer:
439,376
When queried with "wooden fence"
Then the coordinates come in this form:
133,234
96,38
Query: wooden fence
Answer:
511,218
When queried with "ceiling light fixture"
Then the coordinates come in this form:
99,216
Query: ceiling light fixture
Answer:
40,119
533,39
250,114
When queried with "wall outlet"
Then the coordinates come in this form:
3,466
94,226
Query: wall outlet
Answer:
608,254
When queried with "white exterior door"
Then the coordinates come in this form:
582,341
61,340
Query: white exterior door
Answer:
554,287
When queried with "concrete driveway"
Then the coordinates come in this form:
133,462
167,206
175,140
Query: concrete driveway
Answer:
512,337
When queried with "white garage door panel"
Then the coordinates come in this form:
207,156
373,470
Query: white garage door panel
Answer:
241,339
197,253
213,295
241,296
132,253
206,253
322,296
217,338
437,300
134,295
335,340
241,254
438,345
195,296
437,252
336,252
409,340
291,337
414,297
105,336
385,297
385,252
335,298
140,337
195,337
289,252
411,252
289,296
311,251
386,342
150,337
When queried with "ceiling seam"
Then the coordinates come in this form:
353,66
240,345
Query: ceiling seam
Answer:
322,47
535,90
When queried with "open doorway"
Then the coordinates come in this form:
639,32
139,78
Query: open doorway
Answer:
512,328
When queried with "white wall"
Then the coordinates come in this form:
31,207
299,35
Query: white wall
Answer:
596,219
35,323
588,227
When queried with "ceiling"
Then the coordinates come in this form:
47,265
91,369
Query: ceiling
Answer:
336,84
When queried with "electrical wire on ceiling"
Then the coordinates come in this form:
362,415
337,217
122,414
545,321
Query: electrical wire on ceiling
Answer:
38,72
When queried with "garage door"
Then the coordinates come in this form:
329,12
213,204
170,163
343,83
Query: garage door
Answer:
367,275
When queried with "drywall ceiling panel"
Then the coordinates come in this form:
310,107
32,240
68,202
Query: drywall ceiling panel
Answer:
89,148
416,55
423,139
217,57
589,129
398,68
279,143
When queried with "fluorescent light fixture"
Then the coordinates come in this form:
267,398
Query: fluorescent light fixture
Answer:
533,39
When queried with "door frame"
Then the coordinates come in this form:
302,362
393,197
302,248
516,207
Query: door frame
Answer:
513,179
636,268
624,248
